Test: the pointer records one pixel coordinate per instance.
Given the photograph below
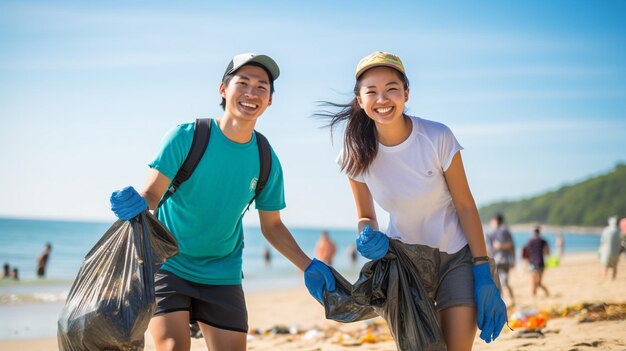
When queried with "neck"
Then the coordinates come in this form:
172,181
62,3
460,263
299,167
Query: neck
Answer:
395,133
235,129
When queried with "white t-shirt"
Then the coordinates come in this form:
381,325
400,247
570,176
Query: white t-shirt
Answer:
407,181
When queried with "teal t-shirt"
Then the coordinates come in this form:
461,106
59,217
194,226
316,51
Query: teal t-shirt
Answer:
204,214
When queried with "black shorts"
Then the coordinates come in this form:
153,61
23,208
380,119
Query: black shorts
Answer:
220,306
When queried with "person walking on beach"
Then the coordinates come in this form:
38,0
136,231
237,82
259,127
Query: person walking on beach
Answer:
353,254
534,251
325,248
559,245
42,261
610,245
500,241
7,271
622,230
202,283
412,167
267,256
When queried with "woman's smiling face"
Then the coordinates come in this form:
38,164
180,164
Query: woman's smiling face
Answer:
382,94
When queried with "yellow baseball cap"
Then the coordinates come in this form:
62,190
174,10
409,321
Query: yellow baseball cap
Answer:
376,59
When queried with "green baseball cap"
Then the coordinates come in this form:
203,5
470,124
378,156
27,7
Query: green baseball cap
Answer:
242,59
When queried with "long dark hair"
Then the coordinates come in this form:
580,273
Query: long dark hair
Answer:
360,143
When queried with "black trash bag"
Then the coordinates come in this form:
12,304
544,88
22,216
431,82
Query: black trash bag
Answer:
340,304
400,287
112,299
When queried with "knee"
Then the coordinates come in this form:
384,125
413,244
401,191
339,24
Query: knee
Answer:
172,344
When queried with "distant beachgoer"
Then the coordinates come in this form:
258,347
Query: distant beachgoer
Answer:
7,271
534,251
42,261
610,245
500,241
15,274
325,248
559,245
267,256
353,254
412,168
622,228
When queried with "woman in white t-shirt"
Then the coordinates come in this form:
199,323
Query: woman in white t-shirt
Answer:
412,168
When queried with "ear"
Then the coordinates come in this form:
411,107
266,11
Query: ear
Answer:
406,94
358,99
270,102
222,90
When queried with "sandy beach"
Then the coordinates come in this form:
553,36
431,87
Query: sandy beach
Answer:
577,280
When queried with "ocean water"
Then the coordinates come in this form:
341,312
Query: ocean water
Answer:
32,305
24,240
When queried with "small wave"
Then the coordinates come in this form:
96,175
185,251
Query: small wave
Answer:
12,299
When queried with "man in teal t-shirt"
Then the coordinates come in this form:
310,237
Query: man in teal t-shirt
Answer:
203,282
210,245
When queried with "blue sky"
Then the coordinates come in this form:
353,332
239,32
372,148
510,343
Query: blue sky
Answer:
535,91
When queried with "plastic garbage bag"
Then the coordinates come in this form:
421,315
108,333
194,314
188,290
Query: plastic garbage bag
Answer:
341,306
112,299
401,288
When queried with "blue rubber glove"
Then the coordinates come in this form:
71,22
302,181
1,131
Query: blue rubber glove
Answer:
317,276
491,309
127,203
372,244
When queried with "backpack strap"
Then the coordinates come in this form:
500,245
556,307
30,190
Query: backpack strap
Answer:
265,162
201,136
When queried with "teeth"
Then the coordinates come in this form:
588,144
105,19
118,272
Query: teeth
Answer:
248,105
383,110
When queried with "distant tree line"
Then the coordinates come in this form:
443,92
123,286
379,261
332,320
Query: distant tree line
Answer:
588,203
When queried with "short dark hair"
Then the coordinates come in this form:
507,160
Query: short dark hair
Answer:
499,218
228,77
